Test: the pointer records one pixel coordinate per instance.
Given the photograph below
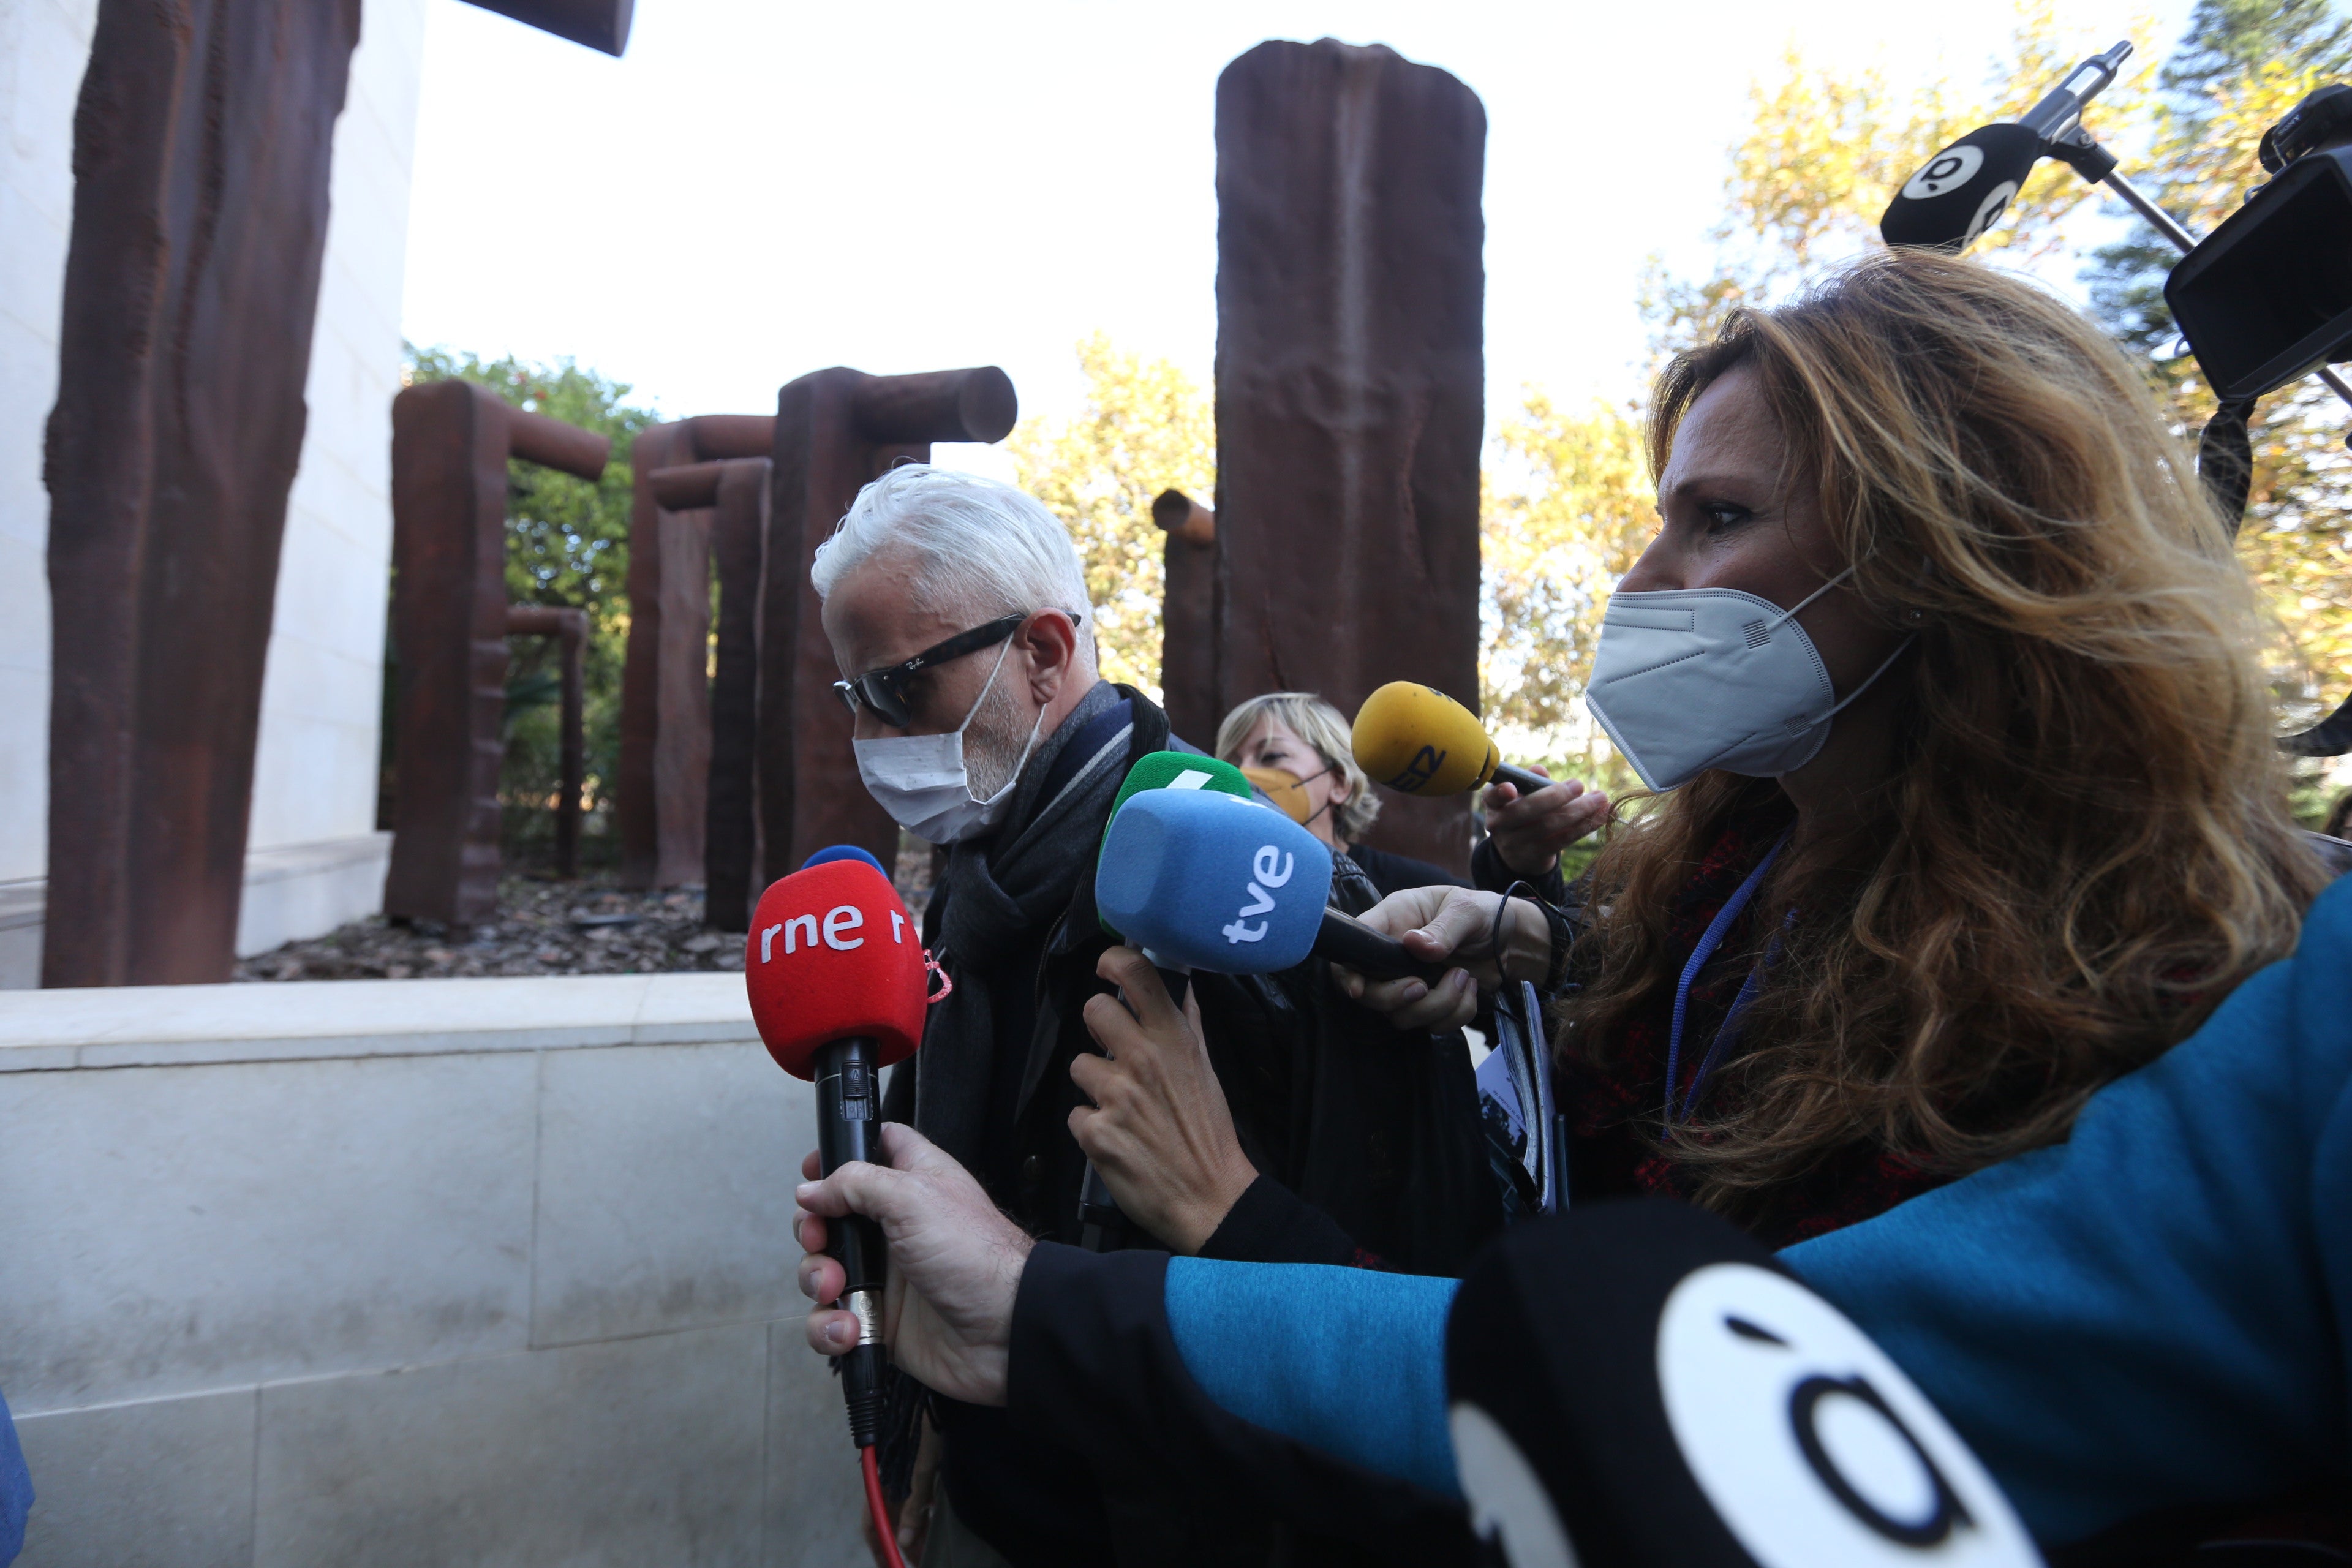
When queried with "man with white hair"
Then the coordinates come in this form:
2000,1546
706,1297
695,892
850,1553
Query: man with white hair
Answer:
959,617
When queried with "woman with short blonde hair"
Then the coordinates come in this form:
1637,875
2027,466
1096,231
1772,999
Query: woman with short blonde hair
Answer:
1343,809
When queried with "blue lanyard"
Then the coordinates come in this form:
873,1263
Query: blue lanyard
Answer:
1729,1030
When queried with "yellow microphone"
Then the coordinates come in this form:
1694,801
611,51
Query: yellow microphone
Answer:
1416,739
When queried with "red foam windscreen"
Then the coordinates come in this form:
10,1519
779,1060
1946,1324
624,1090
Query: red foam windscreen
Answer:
833,954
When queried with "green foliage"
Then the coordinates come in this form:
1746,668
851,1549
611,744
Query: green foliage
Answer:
567,545
1144,427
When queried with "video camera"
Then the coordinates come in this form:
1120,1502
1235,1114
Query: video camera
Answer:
2263,300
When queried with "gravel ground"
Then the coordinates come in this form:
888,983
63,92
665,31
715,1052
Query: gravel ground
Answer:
589,926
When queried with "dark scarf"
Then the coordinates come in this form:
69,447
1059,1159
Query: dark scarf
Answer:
1003,892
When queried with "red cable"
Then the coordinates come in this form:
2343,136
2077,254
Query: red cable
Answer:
881,1513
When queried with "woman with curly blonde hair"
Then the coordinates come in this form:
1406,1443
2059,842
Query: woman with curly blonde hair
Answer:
2028,830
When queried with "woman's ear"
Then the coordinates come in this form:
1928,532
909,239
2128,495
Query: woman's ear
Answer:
1342,786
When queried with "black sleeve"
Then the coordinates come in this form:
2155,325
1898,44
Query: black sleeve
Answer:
1271,1224
1095,1369
1489,875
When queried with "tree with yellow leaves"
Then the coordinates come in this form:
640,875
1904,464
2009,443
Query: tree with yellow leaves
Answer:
1144,427
1568,508
1826,150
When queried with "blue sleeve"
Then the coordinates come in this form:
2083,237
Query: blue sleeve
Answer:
15,1489
2152,1313
1347,1361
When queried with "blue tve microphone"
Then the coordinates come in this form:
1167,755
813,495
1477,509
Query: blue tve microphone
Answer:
1211,882
1200,880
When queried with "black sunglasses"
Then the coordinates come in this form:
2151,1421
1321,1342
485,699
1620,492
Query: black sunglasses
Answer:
885,690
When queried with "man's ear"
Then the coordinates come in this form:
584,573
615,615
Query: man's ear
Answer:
1050,641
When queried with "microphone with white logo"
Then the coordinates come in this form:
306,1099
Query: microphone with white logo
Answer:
1963,190
838,986
1640,1383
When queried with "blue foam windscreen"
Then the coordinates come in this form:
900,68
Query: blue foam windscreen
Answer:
844,852
1203,880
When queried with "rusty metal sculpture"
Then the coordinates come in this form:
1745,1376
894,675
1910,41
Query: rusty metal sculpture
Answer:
1349,400
733,494
201,139
568,627
663,789
191,277
835,431
599,24
1188,652
450,443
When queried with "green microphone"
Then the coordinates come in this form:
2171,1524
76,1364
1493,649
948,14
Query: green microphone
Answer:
1171,770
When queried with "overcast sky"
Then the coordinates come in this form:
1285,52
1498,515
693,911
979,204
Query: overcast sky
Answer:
765,187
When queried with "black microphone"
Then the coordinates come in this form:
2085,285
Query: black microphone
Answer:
1344,939
1963,190
1639,1382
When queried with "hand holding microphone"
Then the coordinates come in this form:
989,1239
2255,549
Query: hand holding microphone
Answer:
955,1265
1159,1132
1489,937
1416,739
838,983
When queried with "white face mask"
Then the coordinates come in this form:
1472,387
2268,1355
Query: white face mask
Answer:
1691,678
921,780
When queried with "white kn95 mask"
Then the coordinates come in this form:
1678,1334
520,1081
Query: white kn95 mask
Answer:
1691,678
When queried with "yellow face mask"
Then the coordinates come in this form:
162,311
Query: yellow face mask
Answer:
1285,789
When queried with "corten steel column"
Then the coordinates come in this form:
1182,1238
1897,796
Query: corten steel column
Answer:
1188,655
201,149
201,145
450,443
734,496
837,430
1349,403
662,792
570,628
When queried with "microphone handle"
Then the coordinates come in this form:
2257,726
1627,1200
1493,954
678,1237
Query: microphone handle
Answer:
1523,781
849,1120
1099,1218
1344,939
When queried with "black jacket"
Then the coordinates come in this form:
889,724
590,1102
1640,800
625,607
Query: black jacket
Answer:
1370,1150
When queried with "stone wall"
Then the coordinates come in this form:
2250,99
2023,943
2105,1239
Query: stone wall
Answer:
412,1271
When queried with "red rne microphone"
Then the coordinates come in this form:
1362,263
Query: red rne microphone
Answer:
835,971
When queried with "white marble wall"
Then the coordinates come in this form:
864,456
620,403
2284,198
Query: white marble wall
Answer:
415,1272
43,44
315,767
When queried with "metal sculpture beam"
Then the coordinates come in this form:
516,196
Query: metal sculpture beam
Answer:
602,25
733,494
663,790
450,443
1351,293
202,141
837,430
201,145
1188,653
